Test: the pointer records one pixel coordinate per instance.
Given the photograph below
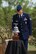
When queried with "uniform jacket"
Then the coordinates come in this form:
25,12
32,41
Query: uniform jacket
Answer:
24,24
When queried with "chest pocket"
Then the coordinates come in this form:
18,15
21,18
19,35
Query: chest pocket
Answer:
25,20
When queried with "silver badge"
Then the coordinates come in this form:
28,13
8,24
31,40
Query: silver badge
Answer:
25,19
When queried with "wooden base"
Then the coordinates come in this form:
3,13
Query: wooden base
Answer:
15,37
2,48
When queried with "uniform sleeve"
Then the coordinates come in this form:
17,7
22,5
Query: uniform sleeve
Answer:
30,25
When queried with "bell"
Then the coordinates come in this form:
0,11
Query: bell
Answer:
16,30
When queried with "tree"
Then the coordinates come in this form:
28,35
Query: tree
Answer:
34,13
2,19
0,2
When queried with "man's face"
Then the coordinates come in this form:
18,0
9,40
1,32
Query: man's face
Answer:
20,12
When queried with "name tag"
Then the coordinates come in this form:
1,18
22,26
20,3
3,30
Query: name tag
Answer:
16,21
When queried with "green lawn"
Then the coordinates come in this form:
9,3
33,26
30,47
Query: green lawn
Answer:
31,49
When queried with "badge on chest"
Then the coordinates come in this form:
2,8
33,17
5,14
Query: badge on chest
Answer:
25,20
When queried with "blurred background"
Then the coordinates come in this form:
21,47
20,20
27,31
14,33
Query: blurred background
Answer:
7,9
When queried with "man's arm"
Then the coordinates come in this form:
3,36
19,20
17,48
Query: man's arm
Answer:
30,25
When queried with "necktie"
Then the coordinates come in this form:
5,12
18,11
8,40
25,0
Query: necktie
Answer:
19,16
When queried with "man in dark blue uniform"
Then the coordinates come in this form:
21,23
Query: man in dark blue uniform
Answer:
24,24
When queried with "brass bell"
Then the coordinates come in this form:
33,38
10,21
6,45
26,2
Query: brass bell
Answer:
16,29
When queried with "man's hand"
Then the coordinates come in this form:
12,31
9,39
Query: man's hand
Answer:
30,38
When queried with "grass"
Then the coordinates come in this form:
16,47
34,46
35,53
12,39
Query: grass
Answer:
31,49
